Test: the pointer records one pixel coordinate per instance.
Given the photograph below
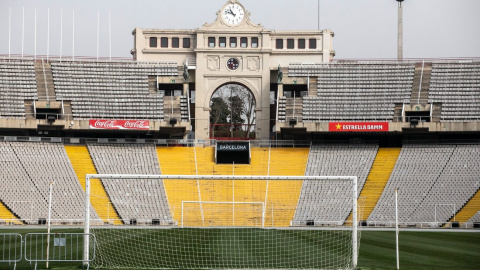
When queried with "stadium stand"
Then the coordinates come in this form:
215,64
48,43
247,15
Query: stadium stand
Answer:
456,184
446,176
333,160
355,91
118,90
457,86
377,180
199,159
17,85
82,164
6,216
30,168
475,218
141,200
471,208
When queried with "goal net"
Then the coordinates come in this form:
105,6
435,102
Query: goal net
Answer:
222,214
225,222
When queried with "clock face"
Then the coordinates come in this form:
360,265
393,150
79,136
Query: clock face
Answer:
233,63
233,14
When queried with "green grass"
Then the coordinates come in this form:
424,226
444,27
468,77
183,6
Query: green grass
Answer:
418,250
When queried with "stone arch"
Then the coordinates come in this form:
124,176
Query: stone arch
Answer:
241,122
239,81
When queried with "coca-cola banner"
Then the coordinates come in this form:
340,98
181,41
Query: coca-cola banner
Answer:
120,124
357,126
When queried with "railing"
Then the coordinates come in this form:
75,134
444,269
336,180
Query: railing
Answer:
45,247
392,60
191,62
324,118
421,119
18,57
232,131
11,248
208,143
424,225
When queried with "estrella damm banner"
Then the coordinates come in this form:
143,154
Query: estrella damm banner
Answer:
357,126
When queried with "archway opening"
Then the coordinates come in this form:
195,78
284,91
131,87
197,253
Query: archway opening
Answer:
232,113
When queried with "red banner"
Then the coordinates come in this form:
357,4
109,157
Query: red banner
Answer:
358,126
120,124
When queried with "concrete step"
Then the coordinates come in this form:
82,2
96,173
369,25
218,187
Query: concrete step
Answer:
44,78
421,83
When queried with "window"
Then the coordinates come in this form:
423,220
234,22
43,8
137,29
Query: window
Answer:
233,42
301,43
164,42
243,42
312,43
273,98
222,42
254,42
211,42
192,96
153,42
279,44
290,43
186,43
175,42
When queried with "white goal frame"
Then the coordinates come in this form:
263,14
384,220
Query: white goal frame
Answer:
222,177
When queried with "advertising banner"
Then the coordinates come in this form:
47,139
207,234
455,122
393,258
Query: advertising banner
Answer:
357,126
120,124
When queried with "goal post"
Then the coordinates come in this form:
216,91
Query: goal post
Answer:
246,243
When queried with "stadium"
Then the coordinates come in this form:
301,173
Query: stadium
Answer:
232,146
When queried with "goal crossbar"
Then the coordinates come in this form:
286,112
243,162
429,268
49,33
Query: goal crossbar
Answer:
222,177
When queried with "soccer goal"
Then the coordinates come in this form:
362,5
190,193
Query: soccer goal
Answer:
229,222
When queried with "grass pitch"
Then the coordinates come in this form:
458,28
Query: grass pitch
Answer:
418,250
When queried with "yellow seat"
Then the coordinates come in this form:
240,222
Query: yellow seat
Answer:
82,164
282,196
376,181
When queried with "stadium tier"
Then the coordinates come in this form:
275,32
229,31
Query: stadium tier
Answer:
355,91
28,170
232,146
447,176
118,90
435,182
332,160
81,95
457,87
17,86
140,200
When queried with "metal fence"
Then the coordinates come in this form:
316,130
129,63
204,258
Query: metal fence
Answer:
45,247
10,248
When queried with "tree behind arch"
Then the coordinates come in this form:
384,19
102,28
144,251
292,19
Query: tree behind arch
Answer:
234,104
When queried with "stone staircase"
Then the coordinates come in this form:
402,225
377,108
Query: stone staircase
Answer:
29,113
294,108
152,84
421,83
44,78
437,111
312,87
397,112
172,108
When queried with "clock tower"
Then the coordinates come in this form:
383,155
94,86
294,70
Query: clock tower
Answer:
233,50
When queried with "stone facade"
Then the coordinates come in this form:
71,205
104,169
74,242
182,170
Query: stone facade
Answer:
256,52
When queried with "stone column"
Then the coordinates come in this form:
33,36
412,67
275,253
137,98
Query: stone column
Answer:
186,88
